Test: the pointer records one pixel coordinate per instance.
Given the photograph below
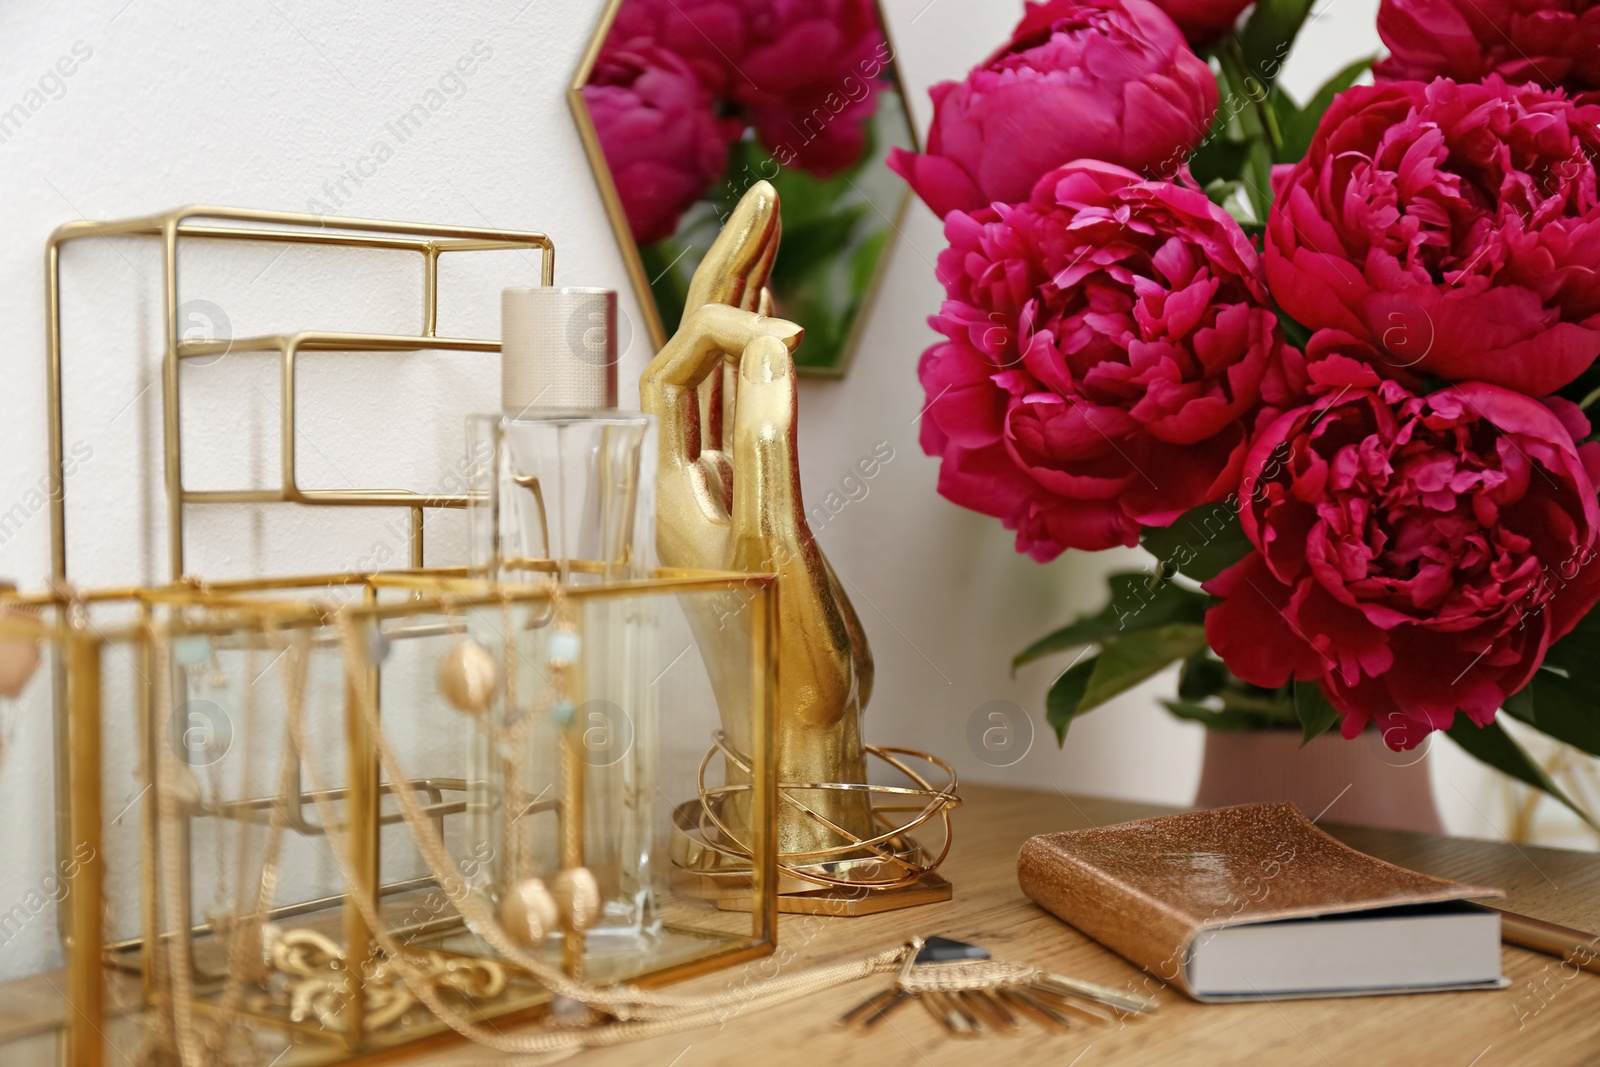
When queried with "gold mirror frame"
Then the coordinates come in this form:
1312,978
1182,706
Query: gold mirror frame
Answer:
631,258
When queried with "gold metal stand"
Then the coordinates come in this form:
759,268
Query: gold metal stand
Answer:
277,227
859,876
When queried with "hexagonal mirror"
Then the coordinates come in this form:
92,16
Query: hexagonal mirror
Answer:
683,104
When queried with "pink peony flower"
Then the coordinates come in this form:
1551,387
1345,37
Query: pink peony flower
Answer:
662,141
1204,21
1555,43
1106,347
1414,555
1111,80
1453,228
814,71
808,72
709,35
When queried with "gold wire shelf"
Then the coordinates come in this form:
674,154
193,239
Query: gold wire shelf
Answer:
191,224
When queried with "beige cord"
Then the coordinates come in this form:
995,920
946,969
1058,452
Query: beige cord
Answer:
640,1014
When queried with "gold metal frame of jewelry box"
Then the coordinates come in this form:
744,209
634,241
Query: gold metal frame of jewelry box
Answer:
248,608
76,688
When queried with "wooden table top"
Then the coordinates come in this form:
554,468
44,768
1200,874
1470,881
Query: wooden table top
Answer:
1549,1015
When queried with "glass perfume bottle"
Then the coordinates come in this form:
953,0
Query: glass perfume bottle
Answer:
562,498
564,493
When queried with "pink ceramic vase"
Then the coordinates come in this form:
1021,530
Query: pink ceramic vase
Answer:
1360,782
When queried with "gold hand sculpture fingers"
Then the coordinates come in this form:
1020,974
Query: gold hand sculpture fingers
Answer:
694,483
744,511
733,273
739,262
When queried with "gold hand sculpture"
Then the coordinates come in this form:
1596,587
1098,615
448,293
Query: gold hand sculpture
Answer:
740,509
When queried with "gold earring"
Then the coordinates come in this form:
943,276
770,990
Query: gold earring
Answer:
577,896
468,677
529,913
19,656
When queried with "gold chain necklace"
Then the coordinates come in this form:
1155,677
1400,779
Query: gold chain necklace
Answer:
240,933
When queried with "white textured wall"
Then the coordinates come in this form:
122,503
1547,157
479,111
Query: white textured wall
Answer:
275,104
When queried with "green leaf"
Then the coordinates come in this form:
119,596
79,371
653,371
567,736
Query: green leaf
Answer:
1237,119
1562,697
864,264
1520,703
814,244
1133,606
1317,716
1217,159
1224,719
1284,110
1579,647
1066,695
667,285
1297,133
1274,708
1267,37
1562,706
826,325
1202,676
1219,191
1492,745
1295,333
1257,178
1231,197
1201,543
1583,390
1131,659
803,197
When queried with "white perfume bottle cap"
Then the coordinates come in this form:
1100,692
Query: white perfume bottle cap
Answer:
558,349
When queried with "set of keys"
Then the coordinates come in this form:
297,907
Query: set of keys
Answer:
970,993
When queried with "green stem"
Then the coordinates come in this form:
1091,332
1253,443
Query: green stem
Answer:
1258,125
1239,73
